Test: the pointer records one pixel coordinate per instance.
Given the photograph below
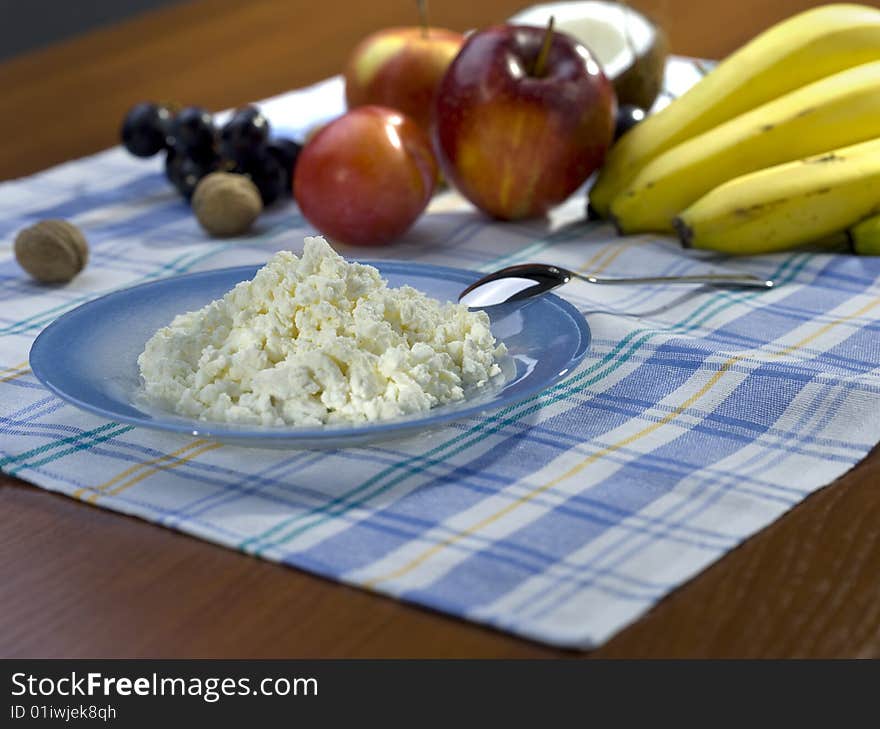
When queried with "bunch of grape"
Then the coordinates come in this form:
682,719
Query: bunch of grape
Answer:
195,147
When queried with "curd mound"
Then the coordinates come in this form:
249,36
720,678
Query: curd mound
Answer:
313,340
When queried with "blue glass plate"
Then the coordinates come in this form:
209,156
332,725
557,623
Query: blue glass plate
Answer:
89,356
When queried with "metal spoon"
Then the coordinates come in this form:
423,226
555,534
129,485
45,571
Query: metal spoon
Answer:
516,283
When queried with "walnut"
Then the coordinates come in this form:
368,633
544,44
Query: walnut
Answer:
226,204
52,251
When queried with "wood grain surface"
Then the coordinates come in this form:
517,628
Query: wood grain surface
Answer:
80,581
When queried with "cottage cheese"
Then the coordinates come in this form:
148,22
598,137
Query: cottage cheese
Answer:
315,340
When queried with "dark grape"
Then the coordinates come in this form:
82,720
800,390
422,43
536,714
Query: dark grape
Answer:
194,134
145,129
627,117
243,138
269,176
285,152
184,172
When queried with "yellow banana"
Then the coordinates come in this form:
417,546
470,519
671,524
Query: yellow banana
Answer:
834,112
864,237
787,205
795,52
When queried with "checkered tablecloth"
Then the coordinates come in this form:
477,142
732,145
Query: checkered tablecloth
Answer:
698,417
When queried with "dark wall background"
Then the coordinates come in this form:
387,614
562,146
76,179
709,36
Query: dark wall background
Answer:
30,24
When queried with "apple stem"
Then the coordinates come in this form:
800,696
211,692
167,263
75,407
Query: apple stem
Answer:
541,61
423,16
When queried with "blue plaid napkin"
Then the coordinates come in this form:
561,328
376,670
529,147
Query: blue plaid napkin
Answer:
698,417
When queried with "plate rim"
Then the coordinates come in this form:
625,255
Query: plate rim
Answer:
223,431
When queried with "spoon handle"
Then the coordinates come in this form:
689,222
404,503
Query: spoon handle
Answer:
713,279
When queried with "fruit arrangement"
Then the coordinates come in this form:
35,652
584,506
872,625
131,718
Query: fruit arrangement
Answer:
194,147
778,146
516,117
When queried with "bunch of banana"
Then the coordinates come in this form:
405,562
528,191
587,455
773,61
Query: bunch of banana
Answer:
742,163
836,111
787,205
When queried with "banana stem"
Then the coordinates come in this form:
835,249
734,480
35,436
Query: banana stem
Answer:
541,61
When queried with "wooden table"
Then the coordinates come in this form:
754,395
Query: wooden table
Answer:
80,581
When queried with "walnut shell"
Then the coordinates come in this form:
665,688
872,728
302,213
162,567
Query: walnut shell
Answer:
226,204
52,251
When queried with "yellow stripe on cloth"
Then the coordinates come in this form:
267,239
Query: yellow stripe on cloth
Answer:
614,248
14,368
148,467
574,470
830,325
617,250
11,373
155,469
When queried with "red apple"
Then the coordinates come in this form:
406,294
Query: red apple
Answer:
401,68
517,136
365,177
